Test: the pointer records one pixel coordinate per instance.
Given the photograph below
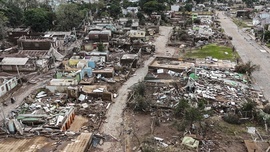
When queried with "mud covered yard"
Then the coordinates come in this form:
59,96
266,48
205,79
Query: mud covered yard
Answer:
158,127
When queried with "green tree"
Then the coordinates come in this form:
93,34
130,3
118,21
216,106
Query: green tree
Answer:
197,21
129,23
27,4
69,16
188,7
193,115
114,10
181,108
100,47
126,3
267,36
14,14
3,23
140,16
153,6
38,19
249,3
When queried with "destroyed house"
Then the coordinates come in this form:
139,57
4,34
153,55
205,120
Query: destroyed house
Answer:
18,64
74,64
59,118
136,34
15,33
96,91
99,36
57,35
7,84
243,13
91,46
173,64
129,60
106,72
123,21
78,75
135,24
108,26
61,85
151,30
28,43
59,38
100,54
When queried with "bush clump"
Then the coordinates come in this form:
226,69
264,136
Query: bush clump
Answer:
231,118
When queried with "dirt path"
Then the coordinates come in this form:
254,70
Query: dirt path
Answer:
114,123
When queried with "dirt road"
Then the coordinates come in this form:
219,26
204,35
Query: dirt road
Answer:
249,50
114,122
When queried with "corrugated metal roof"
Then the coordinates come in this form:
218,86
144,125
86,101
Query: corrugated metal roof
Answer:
14,61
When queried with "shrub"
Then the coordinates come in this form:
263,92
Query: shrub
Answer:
247,68
181,107
141,104
100,47
266,109
140,89
231,118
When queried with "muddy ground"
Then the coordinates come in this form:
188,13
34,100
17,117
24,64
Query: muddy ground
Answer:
114,125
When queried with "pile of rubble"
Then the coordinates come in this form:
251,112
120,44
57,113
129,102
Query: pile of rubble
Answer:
224,91
45,112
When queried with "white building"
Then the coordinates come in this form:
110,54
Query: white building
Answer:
7,84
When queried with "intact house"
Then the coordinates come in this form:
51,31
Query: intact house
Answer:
137,35
7,84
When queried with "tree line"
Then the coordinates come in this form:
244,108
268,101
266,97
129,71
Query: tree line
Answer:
42,17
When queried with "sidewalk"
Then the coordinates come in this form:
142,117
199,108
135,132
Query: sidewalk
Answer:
263,46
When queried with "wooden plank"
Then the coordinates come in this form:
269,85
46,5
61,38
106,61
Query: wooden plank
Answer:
252,146
24,145
82,143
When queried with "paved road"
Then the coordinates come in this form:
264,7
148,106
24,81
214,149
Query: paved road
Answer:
114,123
249,50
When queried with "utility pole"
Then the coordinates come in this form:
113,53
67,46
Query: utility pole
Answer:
19,75
4,116
263,35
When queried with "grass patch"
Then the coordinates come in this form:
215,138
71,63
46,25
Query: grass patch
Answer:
213,50
268,45
240,23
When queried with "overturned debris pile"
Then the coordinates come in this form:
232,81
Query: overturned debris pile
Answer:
45,112
191,102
